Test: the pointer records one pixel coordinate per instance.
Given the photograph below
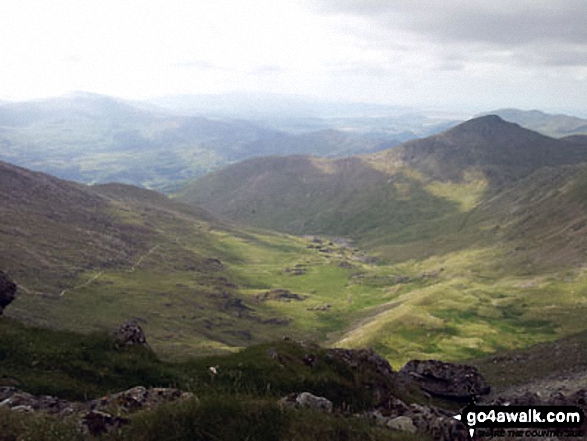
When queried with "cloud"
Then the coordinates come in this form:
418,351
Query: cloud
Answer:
197,64
524,27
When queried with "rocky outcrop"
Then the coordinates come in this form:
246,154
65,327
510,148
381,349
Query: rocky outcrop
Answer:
95,417
446,380
382,380
130,334
96,423
138,398
7,291
307,400
429,421
367,358
278,294
18,400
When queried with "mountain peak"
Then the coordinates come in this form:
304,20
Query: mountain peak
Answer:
488,141
482,124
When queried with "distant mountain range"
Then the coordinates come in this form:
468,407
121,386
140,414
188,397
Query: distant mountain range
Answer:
557,126
96,139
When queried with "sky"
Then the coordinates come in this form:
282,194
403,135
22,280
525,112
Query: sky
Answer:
452,54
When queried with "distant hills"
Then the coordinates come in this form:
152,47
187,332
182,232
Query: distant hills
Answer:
557,126
93,138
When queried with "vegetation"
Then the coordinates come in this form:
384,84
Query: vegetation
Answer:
240,399
477,207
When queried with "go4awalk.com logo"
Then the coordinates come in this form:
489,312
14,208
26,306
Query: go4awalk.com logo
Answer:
523,421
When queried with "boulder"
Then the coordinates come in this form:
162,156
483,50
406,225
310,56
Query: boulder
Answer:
96,423
306,399
438,423
7,291
374,371
139,398
16,399
362,358
278,294
402,423
446,380
130,334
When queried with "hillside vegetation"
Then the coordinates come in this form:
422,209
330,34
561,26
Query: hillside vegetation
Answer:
490,216
241,401
421,251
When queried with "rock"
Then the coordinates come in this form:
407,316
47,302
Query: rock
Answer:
309,360
139,398
325,307
393,407
438,423
15,399
281,295
355,358
375,371
7,291
402,423
306,399
130,334
447,380
96,423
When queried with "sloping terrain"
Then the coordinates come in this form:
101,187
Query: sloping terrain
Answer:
487,220
387,194
89,258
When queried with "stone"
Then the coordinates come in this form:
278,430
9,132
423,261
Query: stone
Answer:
446,380
7,291
139,398
438,423
280,295
306,399
130,334
356,358
15,399
402,423
375,371
96,423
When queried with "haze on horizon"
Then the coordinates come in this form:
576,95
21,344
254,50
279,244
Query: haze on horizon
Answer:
450,54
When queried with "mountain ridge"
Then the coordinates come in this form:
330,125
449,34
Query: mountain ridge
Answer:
306,195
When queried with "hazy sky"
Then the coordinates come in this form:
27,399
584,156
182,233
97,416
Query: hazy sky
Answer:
441,53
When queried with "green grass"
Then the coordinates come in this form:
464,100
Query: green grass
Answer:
240,401
471,310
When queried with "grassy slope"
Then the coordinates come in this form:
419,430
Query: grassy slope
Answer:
91,258
482,202
240,401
